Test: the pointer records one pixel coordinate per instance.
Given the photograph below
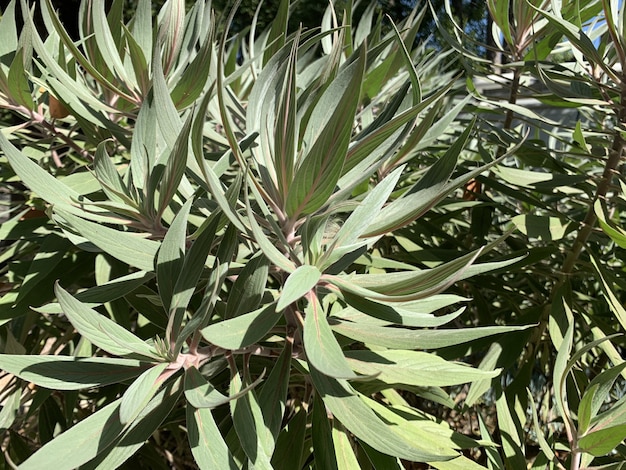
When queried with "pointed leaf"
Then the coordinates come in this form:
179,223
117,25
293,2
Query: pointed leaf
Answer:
299,282
322,349
100,330
71,373
140,392
242,331
207,444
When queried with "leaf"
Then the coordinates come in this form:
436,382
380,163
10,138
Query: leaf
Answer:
130,248
109,178
346,459
322,349
171,256
141,391
174,167
79,444
100,330
71,373
200,393
50,253
273,395
49,188
138,432
242,331
10,408
351,409
326,142
541,227
417,313
19,87
396,338
617,234
299,282
207,444
247,290
290,443
256,440
414,368
187,280
602,442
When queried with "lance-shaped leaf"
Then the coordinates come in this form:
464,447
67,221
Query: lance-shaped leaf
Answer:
125,246
171,257
207,444
424,194
352,411
175,167
49,188
19,88
299,282
244,330
254,436
247,291
81,443
347,238
139,431
100,330
187,281
326,141
71,373
417,313
603,441
109,178
322,349
200,393
140,392
273,395
396,338
414,368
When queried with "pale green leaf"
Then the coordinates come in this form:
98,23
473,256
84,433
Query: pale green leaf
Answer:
396,338
125,246
140,392
79,444
602,442
414,368
206,441
100,330
299,282
242,331
322,349
200,393
171,256
71,373
10,408
542,227
355,414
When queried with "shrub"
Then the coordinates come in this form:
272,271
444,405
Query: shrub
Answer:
252,250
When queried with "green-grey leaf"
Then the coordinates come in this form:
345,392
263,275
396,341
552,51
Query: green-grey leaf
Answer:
125,246
79,444
140,392
414,368
206,441
396,338
354,413
299,282
322,349
242,331
71,373
100,330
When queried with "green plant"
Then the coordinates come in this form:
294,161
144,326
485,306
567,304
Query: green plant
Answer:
218,232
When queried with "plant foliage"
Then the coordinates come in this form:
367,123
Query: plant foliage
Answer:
274,249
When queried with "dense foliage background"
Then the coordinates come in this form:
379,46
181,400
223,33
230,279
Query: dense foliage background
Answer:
246,243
